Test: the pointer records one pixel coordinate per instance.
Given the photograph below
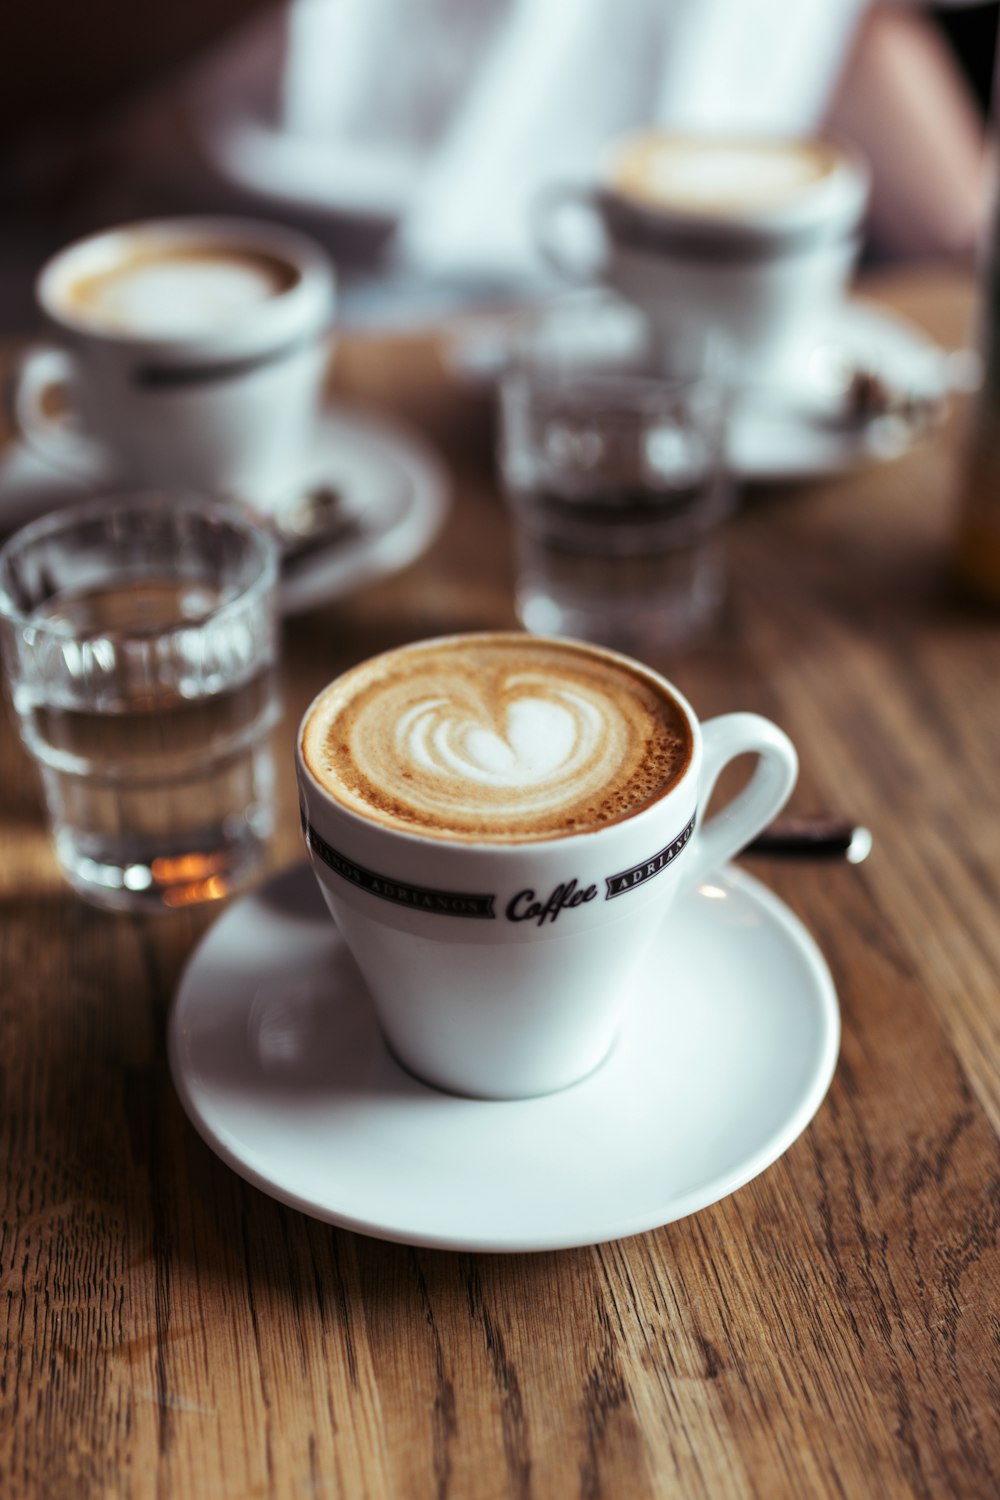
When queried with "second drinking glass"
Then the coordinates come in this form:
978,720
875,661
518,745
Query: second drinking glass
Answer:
617,483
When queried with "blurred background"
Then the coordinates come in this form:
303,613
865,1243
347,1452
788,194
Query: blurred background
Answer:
410,135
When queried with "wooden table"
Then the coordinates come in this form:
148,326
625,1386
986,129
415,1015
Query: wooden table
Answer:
831,1330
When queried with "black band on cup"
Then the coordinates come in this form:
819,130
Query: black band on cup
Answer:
731,243
627,880
417,897
170,377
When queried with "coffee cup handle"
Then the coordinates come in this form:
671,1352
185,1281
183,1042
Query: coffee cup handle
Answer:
720,837
42,372
556,206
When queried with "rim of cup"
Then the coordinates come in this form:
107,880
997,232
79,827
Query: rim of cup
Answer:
306,305
832,203
509,850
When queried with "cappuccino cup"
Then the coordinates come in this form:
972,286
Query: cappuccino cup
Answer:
498,824
186,353
738,248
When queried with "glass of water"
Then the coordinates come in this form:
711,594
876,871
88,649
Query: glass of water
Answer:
617,482
140,649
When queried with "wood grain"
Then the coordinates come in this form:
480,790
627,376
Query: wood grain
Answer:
831,1330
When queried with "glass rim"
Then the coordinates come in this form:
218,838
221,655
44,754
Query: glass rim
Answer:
618,390
150,501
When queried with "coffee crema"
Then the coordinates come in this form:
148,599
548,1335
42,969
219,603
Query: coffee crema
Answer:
718,177
496,738
183,289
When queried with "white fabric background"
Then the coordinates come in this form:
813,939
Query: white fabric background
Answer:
490,100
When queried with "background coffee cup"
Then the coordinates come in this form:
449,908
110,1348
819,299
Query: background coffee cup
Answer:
748,267
221,397
488,977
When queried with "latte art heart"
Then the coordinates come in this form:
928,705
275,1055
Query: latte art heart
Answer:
549,735
506,738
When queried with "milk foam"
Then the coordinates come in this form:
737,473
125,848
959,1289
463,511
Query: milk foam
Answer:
546,740
719,176
183,292
502,738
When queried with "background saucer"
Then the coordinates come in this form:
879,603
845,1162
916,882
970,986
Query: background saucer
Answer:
725,1057
394,496
804,432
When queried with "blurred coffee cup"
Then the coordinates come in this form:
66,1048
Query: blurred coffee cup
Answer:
185,352
743,246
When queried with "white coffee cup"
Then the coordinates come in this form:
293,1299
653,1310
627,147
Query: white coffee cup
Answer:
739,248
189,352
503,970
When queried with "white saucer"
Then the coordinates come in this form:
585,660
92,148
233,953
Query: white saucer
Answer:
395,492
286,168
724,1060
394,487
809,436
801,433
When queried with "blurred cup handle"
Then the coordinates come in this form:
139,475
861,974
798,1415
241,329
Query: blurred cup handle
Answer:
40,380
569,234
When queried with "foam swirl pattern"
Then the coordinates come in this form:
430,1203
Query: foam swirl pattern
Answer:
502,738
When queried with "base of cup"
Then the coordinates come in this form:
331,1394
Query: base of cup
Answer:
446,1082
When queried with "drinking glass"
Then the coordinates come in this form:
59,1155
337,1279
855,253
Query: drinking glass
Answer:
617,484
140,649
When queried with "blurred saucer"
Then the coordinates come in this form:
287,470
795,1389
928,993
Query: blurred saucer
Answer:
283,168
866,388
386,492
724,1059
393,494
